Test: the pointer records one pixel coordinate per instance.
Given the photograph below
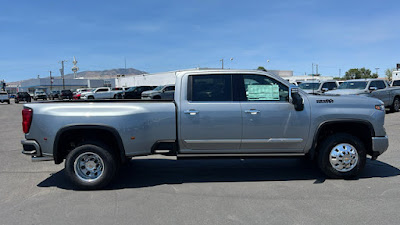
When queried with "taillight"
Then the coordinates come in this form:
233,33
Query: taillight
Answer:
26,119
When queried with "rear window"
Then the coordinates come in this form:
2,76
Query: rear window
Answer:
210,88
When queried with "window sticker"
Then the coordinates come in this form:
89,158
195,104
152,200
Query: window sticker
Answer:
263,92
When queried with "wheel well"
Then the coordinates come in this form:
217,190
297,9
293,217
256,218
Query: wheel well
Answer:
71,137
157,97
361,130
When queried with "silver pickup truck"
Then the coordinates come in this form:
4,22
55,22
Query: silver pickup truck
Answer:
375,88
215,113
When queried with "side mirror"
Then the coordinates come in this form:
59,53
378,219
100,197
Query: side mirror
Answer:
295,98
373,89
324,89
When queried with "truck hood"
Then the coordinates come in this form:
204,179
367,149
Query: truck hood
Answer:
350,99
346,92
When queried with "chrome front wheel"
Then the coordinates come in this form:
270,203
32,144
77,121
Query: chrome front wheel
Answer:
343,157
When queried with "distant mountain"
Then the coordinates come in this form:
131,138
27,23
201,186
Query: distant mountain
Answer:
105,74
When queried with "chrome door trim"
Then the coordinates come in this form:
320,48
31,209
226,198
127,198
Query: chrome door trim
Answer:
214,141
246,141
272,140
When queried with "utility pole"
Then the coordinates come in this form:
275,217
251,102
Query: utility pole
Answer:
222,61
62,72
51,82
317,69
312,69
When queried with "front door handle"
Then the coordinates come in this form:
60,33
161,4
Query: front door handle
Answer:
191,112
252,111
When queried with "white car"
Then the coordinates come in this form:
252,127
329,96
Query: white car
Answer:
4,97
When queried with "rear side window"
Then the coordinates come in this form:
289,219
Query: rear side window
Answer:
378,84
210,88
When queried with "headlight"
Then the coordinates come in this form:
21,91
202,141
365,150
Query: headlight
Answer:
380,107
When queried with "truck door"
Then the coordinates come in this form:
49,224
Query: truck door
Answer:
382,92
102,93
210,121
270,122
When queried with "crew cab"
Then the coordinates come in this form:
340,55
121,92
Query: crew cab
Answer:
214,113
134,92
39,95
22,96
318,87
375,88
98,93
160,92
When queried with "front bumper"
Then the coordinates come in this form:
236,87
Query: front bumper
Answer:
32,148
380,145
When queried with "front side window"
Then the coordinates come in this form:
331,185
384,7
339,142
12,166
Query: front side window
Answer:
263,88
210,88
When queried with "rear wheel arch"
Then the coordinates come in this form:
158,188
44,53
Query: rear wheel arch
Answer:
358,128
67,138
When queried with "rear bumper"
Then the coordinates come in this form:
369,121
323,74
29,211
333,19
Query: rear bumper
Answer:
379,145
32,148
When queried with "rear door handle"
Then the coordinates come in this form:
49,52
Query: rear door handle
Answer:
191,112
252,111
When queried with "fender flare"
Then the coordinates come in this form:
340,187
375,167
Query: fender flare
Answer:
112,130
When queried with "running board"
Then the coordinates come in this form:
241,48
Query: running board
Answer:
255,155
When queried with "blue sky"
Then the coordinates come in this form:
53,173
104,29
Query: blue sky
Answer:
157,36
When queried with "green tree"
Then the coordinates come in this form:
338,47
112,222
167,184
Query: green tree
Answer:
357,73
388,73
261,68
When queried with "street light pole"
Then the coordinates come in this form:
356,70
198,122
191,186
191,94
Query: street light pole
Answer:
377,71
222,61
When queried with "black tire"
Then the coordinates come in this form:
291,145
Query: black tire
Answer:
395,107
110,166
8,102
328,145
16,101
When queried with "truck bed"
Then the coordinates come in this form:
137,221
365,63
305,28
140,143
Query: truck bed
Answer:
139,123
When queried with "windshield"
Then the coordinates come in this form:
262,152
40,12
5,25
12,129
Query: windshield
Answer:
159,88
353,85
309,86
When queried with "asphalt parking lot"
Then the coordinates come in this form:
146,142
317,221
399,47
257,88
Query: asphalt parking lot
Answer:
162,190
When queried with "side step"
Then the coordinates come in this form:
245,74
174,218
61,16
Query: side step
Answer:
240,156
